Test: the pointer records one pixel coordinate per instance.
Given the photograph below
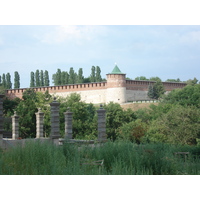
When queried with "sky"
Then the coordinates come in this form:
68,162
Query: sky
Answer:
166,51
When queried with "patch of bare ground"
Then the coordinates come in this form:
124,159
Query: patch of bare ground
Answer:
136,106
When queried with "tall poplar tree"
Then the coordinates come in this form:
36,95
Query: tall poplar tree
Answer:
37,78
46,78
16,80
41,78
66,78
71,76
8,81
93,74
32,83
4,81
80,76
63,78
98,74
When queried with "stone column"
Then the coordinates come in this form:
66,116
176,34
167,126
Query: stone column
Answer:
55,126
1,116
39,123
15,126
101,124
68,124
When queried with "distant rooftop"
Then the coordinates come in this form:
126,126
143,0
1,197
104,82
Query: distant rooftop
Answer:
116,70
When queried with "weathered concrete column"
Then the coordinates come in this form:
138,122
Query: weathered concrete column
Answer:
101,124
15,126
1,116
39,123
55,125
68,124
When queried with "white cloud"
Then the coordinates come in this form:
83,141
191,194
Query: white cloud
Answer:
190,37
64,33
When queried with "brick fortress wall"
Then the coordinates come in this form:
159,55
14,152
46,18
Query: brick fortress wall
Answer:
117,89
137,90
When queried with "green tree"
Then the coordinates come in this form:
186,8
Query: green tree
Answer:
4,81
98,74
66,78
192,82
32,82
0,79
57,77
84,116
26,111
63,78
71,76
86,80
17,80
173,80
41,78
115,118
181,125
8,81
80,76
155,79
46,78
142,78
150,91
133,131
37,78
27,108
157,90
187,96
93,74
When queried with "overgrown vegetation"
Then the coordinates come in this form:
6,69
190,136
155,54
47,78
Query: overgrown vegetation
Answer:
119,158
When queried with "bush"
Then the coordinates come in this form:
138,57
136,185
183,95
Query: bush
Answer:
133,131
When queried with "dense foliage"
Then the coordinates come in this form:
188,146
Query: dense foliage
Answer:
116,158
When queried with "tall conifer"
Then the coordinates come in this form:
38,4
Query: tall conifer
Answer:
98,74
41,78
16,80
8,81
37,78
93,74
46,78
32,82
71,76
80,76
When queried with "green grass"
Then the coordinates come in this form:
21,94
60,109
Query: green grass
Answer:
120,158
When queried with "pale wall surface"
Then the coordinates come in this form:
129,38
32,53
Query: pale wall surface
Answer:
116,95
90,96
135,95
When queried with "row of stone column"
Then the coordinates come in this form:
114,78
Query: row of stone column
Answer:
55,131
55,126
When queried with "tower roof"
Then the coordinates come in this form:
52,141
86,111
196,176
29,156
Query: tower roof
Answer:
116,70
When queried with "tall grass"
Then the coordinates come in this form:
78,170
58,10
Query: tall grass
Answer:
120,158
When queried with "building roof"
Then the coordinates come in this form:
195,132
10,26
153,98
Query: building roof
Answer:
116,70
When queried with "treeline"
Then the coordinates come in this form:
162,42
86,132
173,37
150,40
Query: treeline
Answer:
39,78
72,77
143,78
5,81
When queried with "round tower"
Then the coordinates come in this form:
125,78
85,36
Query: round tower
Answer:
116,86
